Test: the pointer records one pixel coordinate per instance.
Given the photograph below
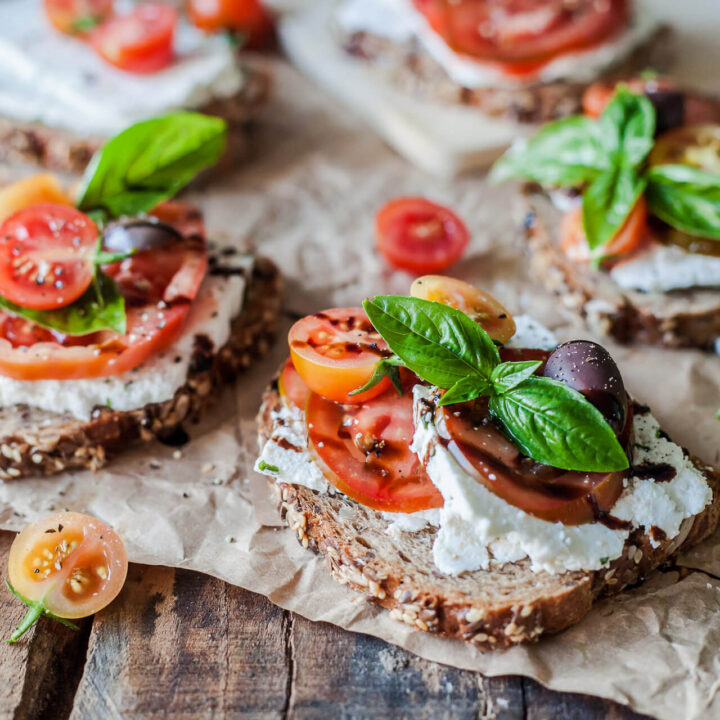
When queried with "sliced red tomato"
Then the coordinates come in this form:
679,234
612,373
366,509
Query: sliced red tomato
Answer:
77,17
420,236
68,566
336,351
366,449
548,493
247,17
292,386
524,34
184,217
140,41
598,95
46,256
481,306
631,237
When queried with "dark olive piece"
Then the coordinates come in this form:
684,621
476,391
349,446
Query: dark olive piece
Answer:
588,368
669,107
139,235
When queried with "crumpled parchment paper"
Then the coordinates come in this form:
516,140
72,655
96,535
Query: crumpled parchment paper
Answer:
308,200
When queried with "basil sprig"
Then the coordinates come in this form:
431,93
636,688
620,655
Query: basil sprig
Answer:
549,421
150,162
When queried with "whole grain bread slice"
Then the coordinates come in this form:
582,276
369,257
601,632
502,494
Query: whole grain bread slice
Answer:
681,318
411,68
498,607
37,442
69,152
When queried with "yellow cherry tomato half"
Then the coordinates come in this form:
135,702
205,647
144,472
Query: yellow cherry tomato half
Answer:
696,145
66,566
481,306
34,190
335,352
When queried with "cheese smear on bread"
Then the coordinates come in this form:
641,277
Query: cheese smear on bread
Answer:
476,527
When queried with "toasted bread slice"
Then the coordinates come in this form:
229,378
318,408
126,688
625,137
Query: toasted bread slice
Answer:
37,442
492,608
66,151
685,318
413,69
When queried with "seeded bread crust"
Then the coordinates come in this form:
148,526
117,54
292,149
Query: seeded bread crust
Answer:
414,70
69,152
494,608
682,318
36,442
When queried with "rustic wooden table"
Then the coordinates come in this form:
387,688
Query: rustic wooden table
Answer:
177,644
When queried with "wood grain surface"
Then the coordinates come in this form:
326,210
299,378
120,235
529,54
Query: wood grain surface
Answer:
181,645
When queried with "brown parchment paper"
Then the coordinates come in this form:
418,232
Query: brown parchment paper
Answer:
308,200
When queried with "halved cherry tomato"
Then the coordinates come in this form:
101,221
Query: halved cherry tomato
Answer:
292,386
697,146
481,306
420,236
46,256
631,237
247,17
139,42
523,34
336,351
77,17
34,190
551,494
366,450
66,566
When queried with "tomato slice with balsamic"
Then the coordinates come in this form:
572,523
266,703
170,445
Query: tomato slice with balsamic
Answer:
140,41
522,35
47,256
336,351
420,236
366,449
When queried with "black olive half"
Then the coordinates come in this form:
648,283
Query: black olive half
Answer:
139,235
669,108
588,368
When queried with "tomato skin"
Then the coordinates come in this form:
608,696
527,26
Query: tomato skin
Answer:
335,352
292,386
140,41
72,563
632,236
247,17
68,16
420,236
46,256
365,450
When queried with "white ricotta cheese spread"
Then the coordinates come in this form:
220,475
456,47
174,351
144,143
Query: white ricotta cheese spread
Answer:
667,267
219,300
399,21
59,81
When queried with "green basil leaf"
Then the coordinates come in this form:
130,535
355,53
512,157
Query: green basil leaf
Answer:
686,198
438,343
465,390
608,201
387,367
151,162
627,127
100,307
564,153
555,425
509,374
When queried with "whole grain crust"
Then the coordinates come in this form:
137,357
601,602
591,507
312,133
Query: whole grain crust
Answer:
493,608
37,442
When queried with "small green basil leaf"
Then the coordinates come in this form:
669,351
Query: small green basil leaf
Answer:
555,425
106,258
627,127
465,390
438,343
685,198
387,367
100,307
564,153
509,374
151,162
608,201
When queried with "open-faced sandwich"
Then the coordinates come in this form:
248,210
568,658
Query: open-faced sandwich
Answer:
118,319
467,473
82,70
526,60
623,222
